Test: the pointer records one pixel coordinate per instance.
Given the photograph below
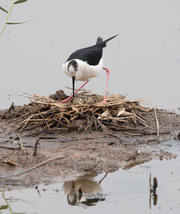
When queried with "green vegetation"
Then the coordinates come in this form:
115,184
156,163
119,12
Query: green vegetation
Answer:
13,2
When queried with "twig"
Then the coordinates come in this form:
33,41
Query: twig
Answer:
34,167
26,123
37,141
57,115
150,181
11,108
157,122
24,115
42,116
8,147
140,118
12,163
113,118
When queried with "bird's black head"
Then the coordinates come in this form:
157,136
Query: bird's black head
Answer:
72,66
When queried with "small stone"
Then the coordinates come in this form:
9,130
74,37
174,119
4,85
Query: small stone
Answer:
138,152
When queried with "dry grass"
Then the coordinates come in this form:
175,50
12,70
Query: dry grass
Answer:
85,112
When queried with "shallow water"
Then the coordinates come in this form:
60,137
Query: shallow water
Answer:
144,60
124,191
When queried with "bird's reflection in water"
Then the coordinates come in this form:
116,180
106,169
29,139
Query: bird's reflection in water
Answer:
83,190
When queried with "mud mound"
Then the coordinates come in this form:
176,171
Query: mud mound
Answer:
85,112
84,137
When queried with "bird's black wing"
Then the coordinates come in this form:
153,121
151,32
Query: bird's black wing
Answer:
91,55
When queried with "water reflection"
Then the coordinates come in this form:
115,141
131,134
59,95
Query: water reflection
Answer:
86,191
121,191
153,197
152,193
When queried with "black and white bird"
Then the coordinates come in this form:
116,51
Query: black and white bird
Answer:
86,63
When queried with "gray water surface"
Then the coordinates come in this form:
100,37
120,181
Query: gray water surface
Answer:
144,60
124,191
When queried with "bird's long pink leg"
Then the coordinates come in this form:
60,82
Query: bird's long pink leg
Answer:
66,100
107,70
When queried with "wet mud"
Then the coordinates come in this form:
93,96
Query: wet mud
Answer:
27,160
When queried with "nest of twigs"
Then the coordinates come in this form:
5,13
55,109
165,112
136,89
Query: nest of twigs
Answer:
85,112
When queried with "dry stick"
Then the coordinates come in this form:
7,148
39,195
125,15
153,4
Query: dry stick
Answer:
150,181
88,124
26,123
34,167
157,122
43,100
101,105
107,131
89,92
118,97
12,163
134,118
113,118
67,121
125,128
67,111
142,119
8,147
153,107
95,122
36,120
24,115
145,109
41,115
113,135
37,141
91,124
27,120
30,128
11,107
28,95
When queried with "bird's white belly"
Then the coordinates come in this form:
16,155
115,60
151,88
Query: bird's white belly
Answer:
85,71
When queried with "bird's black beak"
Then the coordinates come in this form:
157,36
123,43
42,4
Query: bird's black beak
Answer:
73,84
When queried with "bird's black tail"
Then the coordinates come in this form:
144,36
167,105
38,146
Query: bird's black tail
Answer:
102,43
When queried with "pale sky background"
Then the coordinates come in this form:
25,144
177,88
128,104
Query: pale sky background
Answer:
144,60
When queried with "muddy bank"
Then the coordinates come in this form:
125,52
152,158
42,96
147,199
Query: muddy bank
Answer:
64,155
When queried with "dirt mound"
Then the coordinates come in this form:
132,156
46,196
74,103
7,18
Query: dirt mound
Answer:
57,141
